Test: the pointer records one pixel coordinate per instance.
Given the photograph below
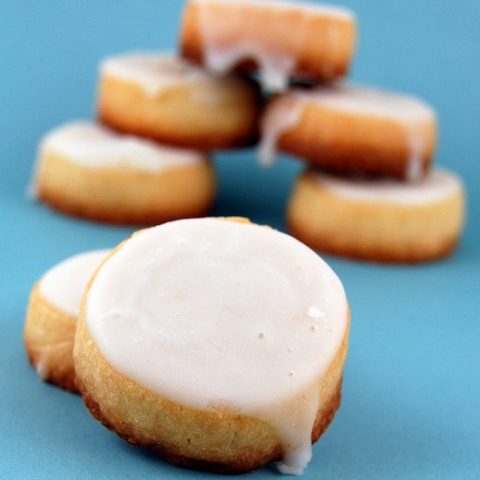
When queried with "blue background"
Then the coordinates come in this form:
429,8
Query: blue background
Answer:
412,387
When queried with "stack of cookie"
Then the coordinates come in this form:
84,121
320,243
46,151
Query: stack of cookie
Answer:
369,191
217,343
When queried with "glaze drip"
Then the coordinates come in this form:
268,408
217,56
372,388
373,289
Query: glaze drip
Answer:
283,115
223,51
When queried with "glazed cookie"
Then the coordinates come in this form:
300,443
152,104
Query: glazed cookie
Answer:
218,344
352,129
379,220
165,98
281,39
52,317
89,171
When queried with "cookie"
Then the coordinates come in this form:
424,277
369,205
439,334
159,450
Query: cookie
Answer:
89,171
379,220
351,129
218,344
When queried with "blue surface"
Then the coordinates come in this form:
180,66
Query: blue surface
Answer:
412,385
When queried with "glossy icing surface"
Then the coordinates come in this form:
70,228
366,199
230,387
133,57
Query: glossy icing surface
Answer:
63,285
438,185
154,72
95,146
281,115
250,316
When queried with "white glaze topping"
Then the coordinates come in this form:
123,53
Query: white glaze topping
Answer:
275,67
63,285
319,9
436,186
154,72
411,113
42,367
356,99
251,318
96,146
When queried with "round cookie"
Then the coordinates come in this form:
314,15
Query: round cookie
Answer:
218,344
170,100
90,171
281,39
52,316
378,220
352,129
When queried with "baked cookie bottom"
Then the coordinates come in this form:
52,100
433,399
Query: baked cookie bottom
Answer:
48,338
218,441
124,195
372,231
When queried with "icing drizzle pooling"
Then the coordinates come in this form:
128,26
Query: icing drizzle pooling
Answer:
231,309
412,114
436,186
96,146
222,53
63,285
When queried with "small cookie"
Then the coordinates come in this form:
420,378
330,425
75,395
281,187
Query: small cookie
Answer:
90,171
352,129
170,100
218,344
379,220
52,317
281,39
